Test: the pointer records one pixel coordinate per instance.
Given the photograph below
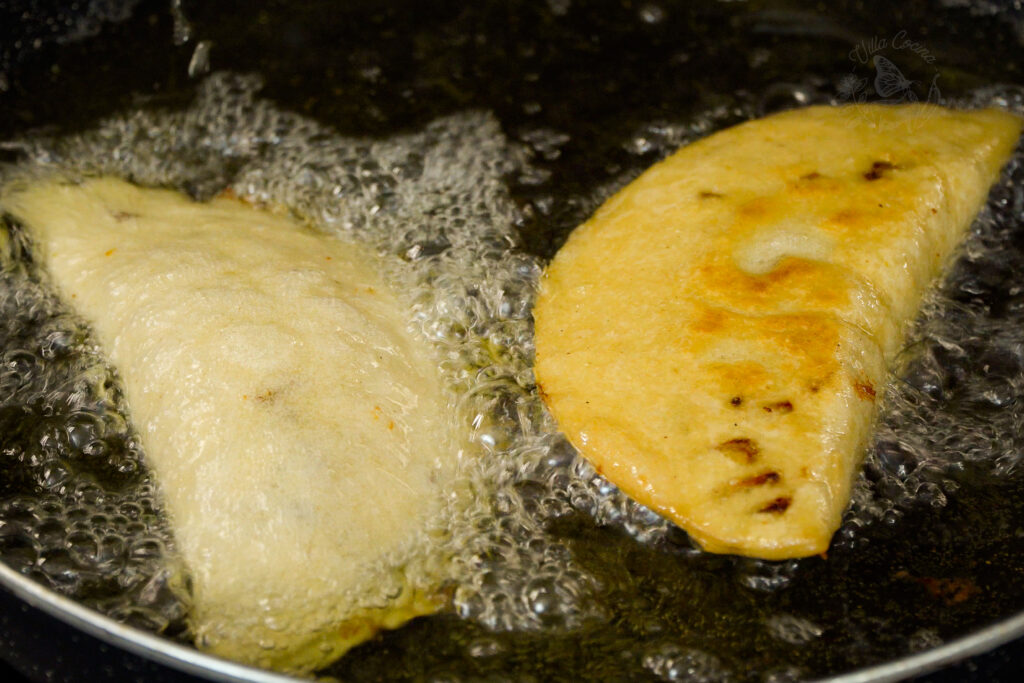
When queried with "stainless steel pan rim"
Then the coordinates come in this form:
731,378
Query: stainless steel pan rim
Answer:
976,643
131,639
196,663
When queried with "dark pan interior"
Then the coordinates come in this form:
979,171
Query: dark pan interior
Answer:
588,88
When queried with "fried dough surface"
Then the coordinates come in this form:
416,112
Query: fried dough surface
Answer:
297,430
715,338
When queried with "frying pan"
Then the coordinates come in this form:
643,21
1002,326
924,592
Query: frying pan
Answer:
594,92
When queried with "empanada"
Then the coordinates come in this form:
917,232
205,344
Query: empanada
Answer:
297,429
715,338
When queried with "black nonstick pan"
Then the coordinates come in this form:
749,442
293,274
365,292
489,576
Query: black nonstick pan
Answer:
928,567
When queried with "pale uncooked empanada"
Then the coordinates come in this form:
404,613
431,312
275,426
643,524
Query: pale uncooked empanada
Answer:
297,430
715,338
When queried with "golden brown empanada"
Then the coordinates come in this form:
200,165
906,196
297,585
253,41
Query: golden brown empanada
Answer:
715,338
